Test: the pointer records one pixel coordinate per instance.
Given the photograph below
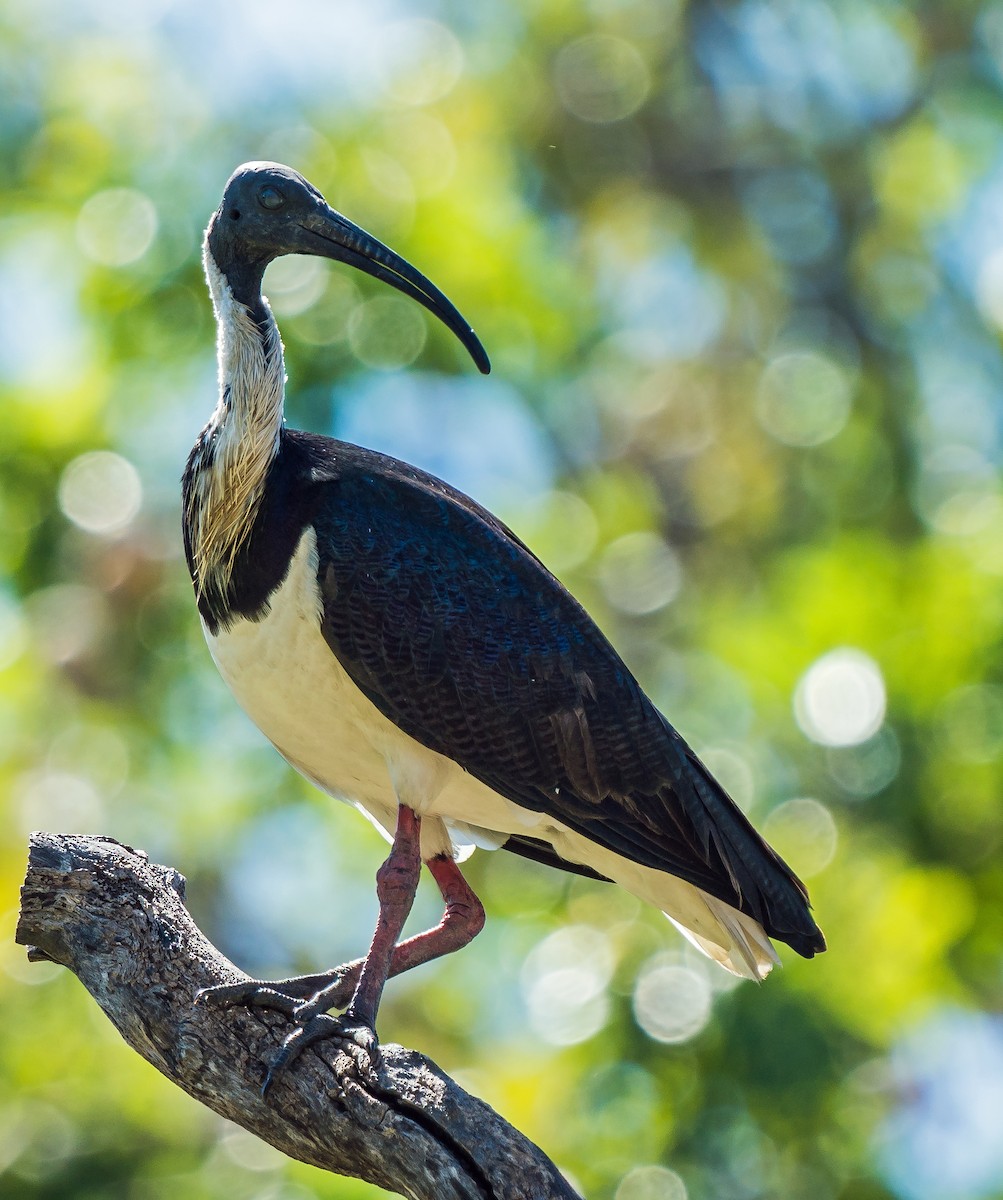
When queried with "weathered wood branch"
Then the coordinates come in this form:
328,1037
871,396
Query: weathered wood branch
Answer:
119,923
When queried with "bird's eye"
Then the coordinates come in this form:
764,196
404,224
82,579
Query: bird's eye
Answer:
234,214
271,197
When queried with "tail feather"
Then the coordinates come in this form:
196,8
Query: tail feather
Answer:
736,940
768,890
741,945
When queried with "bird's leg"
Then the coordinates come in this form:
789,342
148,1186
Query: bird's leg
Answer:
355,1029
396,884
307,998
462,920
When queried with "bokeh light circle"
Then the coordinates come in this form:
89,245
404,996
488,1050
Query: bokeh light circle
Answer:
640,573
100,492
294,283
989,288
868,767
970,723
651,1183
387,332
564,981
58,800
601,78
803,398
66,620
840,700
117,226
803,833
672,1003
13,630
421,61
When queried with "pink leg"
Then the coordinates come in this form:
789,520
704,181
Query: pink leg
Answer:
305,1000
358,985
396,884
461,922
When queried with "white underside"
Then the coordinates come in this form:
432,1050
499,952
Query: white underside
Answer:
285,677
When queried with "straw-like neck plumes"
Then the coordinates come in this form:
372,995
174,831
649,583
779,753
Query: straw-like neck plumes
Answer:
229,463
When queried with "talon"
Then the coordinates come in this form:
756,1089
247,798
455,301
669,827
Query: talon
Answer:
224,995
357,1041
288,1052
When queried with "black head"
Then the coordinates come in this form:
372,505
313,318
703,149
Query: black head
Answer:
269,210
263,208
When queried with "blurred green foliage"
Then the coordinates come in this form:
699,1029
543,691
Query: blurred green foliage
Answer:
739,267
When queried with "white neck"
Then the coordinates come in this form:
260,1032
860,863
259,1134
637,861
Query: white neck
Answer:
242,436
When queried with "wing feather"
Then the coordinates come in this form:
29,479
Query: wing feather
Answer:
459,635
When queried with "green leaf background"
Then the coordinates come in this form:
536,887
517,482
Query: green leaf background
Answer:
739,267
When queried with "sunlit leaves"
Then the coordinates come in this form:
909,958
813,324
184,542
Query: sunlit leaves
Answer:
903,921
738,269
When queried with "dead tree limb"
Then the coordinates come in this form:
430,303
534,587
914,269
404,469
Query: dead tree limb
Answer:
119,923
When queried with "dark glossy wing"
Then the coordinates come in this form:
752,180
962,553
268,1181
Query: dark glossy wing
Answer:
459,635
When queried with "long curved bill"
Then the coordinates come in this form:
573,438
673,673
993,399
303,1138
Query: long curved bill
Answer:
331,235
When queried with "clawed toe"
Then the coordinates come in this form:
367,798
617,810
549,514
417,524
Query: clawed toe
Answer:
357,1041
252,993
332,989
313,1024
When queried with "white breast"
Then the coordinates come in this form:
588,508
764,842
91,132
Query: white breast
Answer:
292,686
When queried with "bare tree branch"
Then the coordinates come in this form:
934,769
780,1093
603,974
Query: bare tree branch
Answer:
119,923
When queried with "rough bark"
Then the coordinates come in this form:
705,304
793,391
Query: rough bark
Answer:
119,923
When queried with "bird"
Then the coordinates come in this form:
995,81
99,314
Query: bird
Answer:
408,654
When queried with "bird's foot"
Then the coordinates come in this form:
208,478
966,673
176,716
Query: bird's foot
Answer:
355,1039
306,1004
